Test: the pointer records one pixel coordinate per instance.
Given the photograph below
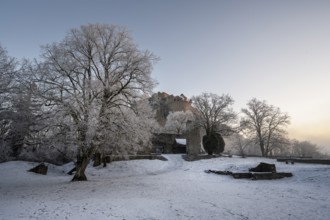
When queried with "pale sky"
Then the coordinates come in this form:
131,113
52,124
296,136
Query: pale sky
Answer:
278,51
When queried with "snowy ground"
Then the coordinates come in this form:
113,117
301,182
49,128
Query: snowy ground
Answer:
173,189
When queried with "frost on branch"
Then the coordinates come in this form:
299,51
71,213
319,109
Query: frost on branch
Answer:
176,122
94,76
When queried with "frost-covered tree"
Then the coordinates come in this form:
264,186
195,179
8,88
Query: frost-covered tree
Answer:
176,122
241,143
8,76
216,116
23,116
131,130
305,149
93,73
8,70
266,124
21,119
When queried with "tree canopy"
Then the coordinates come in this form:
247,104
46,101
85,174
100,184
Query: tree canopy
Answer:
94,71
216,116
266,124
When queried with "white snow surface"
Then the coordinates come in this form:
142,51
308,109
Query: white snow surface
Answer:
181,141
173,189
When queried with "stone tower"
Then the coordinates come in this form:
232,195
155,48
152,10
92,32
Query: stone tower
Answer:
164,103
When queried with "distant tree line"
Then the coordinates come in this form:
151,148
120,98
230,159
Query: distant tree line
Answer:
259,130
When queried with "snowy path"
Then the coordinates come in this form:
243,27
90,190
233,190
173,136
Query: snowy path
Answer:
172,189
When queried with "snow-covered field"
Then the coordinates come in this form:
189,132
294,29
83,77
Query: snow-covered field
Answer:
173,189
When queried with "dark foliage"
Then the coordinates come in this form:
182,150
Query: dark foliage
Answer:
213,143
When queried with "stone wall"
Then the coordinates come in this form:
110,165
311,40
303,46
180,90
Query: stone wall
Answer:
163,104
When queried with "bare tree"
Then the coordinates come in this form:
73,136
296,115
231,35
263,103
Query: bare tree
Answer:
279,145
266,123
92,71
216,116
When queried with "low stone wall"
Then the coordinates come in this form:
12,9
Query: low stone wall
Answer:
110,158
304,160
193,157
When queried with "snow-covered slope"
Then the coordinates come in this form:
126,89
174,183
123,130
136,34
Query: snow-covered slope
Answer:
173,189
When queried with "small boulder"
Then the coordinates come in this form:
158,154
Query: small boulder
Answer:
40,169
264,167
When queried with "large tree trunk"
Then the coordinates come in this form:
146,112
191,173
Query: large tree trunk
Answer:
84,153
262,148
80,169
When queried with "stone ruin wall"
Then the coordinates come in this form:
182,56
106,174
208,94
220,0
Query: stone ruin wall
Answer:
164,103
